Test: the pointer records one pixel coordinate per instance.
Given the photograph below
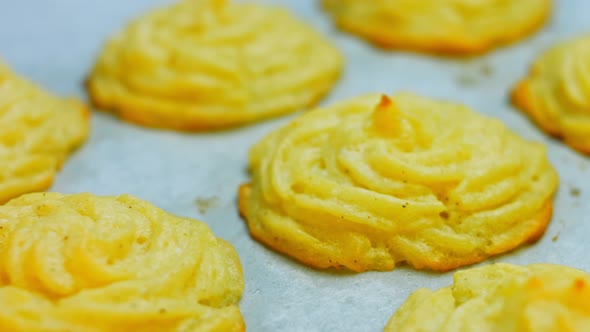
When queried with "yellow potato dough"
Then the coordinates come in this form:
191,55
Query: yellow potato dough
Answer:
210,64
87,264
37,132
375,181
501,298
440,26
556,93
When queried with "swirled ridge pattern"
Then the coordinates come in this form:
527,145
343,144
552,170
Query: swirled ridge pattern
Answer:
556,93
86,263
206,64
374,181
446,26
37,132
501,298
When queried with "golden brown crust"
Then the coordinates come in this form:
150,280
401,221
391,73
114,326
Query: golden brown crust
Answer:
522,98
457,44
375,197
283,244
554,95
137,114
308,256
244,192
156,74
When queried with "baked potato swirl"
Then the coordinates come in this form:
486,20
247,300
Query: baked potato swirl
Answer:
501,298
444,26
374,181
556,93
208,64
37,133
87,263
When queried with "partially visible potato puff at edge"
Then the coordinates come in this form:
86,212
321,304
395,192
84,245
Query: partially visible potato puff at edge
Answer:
501,298
556,92
37,133
210,64
85,263
375,181
449,26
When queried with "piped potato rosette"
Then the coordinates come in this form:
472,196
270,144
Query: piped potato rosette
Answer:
440,26
87,263
38,131
556,92
375,181
210,64
501,298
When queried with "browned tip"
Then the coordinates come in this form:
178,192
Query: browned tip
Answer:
386,116
384,103
579,284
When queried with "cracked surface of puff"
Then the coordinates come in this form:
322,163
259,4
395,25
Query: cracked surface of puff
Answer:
37,132
375,181
556,92
212,64
445,26
89,263
501,298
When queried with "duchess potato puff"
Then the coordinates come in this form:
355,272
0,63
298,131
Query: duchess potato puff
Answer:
37,132
501,298
556,93
440,26
87,264
375,181
211,64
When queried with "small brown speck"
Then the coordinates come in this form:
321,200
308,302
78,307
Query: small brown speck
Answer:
575,192
555,238
444,214
486,70
466,80
162,310
206,203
